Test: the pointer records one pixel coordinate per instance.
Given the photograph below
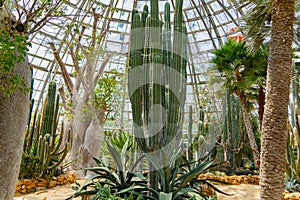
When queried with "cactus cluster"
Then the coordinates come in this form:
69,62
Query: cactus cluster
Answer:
231,138
44,139
157,77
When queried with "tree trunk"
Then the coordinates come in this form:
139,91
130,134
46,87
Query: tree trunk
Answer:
13,120
253,144
274,128
261,104
87,134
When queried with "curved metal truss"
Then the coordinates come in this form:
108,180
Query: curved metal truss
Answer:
208,23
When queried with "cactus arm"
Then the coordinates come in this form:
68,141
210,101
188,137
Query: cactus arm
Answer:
190,134
49,109
133,80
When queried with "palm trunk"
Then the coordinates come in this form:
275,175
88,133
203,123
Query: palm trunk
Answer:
261,104
253,144
249,129
274,128
13,120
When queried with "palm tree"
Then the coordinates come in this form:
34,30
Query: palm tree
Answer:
274,128
242,72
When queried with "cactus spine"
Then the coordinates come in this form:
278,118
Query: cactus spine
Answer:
158,104
43,140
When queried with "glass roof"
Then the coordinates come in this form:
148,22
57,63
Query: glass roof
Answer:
208,24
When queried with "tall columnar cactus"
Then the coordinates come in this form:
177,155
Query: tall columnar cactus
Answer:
157,79
43,138
231,139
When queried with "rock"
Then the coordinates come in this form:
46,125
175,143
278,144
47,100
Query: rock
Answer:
29,184
41,182
52,183
292,196
20,183
31,190
40,188
23,191
60,178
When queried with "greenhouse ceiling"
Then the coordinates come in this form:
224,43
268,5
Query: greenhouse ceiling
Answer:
208,22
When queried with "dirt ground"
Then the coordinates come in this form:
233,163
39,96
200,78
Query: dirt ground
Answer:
243,192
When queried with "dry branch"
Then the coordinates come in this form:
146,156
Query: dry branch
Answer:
100,71
63,68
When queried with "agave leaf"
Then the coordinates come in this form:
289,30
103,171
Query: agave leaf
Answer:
174,173
157,166
99,163
184,191
97,195
137,162
186,178
216,189
142,187
140,175
123,154
117,158
165,196
86,192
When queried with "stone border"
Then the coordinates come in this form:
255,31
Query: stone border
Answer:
241,179
31,185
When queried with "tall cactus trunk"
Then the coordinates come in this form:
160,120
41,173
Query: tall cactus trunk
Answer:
158,96
13,119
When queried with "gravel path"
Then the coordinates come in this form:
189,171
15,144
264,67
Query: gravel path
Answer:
243,192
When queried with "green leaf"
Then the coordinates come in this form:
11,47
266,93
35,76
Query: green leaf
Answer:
157,166
165,196
117,159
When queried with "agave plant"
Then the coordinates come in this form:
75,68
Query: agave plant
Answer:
179,181
121,181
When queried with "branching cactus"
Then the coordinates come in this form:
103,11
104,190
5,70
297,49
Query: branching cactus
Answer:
43,138
231,139
157,82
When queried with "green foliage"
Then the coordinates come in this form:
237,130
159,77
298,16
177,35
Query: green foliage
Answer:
119,138
43,145
13,50
239,68
292,185
158,67
258,22
106,92
121,180
231,139
179,180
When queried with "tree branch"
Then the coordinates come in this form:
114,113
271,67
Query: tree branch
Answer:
64,71
79,39
94,31
100,71
64,98
79,78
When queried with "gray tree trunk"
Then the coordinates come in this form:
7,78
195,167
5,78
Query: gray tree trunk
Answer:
13,120
87,128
